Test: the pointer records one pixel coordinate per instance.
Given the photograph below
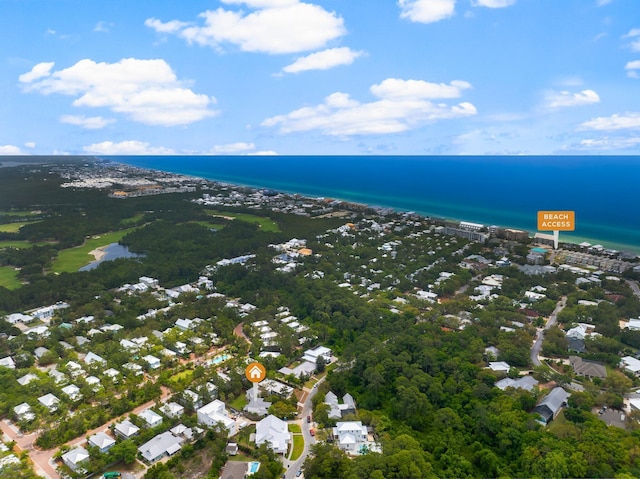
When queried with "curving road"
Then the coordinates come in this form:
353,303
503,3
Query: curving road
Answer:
309,440
537,346
634,287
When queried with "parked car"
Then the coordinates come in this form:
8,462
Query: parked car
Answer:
308,419
312,432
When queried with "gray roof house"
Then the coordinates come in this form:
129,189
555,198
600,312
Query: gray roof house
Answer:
528,383
102,441
589,369
126,429
163,445
75,457
552,404
338,410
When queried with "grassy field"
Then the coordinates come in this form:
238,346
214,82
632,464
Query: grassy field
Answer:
133,219
298,446
181,375
266,224
72,259
208,224
20,213
19,244
14,227
8,278
239,402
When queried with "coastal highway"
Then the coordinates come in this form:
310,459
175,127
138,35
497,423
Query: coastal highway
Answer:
537,346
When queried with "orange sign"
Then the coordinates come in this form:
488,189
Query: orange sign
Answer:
556,220
255,372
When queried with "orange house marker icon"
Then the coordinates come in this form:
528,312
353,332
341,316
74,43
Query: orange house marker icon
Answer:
255,372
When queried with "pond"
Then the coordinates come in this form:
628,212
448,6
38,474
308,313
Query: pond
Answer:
111,252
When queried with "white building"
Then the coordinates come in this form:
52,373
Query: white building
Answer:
213,414
102,441
126,429
49,401
151,418
163,445
350,436
172,410
275,433
75,458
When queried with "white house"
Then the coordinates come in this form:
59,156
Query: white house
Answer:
215,413
499,366
75,458
49,401
7,362
18,318
350,436
151,418
102,441
23,412
275,433
172,410
91,358
126,429
152,361
312,355
163,445
631,365
72,392
185,324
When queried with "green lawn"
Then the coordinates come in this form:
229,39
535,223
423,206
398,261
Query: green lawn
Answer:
19,244
298,446
295,427
181,375
239,402
208,224
20,213
266,224
8,277
133,219
72,259
14,227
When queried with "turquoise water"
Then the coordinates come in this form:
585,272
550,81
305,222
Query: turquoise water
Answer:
500,190
253,467
219,359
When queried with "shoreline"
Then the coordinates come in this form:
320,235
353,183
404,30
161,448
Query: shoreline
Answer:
363,200
98,253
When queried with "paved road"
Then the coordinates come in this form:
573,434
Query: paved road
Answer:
309,440
537,346
634,286
43,459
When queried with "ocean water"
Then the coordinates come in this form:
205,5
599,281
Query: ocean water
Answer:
507,191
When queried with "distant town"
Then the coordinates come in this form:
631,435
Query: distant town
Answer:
146,378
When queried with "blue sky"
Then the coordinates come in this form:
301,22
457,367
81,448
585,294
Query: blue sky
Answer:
296,77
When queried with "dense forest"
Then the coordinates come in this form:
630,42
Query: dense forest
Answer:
419,380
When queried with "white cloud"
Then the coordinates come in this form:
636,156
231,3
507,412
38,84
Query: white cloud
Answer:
493,3
397,89
30,144
567,99
401,105
264,153
625,121
172,26
90,123
635,44
10,150
631,68
102,27
146,91
38,71
323,60
233,148
608,143
276,26
131,147
426,11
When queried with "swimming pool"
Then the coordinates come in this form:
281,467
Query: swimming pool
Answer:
219,359
253,467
